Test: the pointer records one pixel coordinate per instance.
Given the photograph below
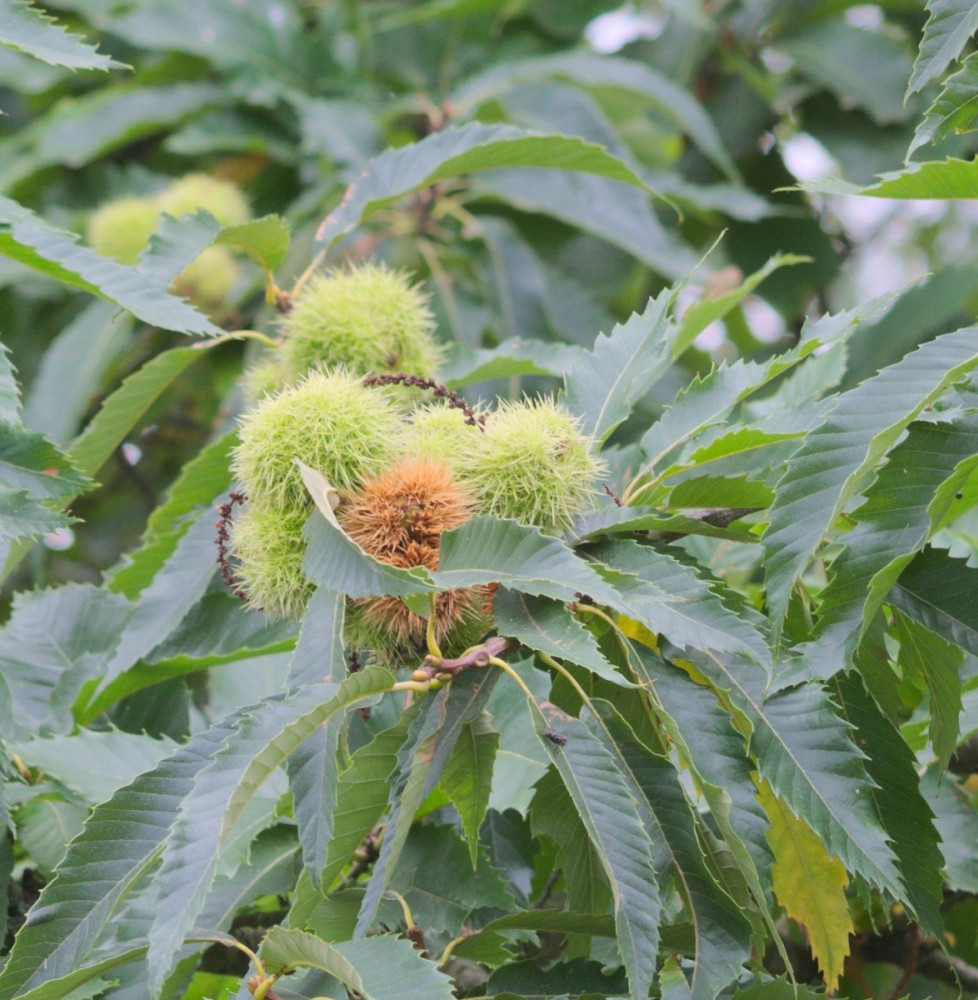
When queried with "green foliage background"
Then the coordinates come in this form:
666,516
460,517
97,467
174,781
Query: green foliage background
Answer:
737,757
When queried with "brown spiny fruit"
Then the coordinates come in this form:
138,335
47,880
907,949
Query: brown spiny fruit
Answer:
398,517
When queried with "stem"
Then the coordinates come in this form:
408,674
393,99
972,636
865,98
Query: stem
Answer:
429,633
308,273
262,338
405,909
503,665
569,677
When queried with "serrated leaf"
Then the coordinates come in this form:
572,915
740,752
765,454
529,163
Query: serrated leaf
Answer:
201,479
901,509
906,816
25,28
313,770
467,779
589,70
546,625
265,240
362,793
9,392
22,516
668,597
606,808
489,550
621,368
30,463
722,935
803,748
955,109
527,980
94,879
957,825
284,950
262,739
393,969
612,520
466,366
947,179
939,592
27,238
837,456
93,764
71,369
709,308
467,149
947,31
810,886
54,641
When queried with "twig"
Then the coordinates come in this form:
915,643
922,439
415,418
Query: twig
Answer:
442,392
223,534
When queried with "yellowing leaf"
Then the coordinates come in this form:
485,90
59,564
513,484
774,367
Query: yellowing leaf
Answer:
637,631
810,885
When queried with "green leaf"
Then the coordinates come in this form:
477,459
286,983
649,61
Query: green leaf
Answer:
393,969
527,980
837,457
957,825
362,792
121,411
27,238
93,764
924,653
547,625
262,740
54,641
201,479
623,366
606,808
863,68
285,950
900,512
955,110
467,779
804,750
312,769
9,393
512,357
29,462
948,179
265,240
489,550
586,69
21,516
946,33
72,368
120,843
668,598
711,308
463,150
25,28
938,591
723,940
906,816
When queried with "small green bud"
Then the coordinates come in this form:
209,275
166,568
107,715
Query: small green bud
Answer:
532,464
329,421
370,319
122,228
269,547
223,199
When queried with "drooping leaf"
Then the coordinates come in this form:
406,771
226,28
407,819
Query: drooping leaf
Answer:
27,238
467,779
601,797
312,769
22,516
287,949
266,240
901,510
466,149
938,591
30,463
926,654
955,109
393,969
947,31
905,814
837,457
25,28
602,388
810,886
263,739
722,935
